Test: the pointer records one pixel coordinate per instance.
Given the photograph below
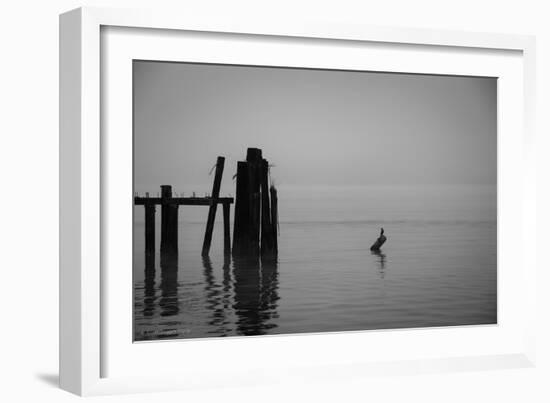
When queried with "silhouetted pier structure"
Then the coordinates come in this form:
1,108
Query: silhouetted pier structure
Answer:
256,212
169,216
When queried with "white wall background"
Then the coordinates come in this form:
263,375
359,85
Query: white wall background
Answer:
29,164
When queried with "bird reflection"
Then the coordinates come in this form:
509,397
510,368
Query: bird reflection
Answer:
381,262
168,302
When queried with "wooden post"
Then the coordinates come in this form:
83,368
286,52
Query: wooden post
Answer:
267,246
172,232
254,159
165,192
242,206
255,232
254,239
253,155
150,229
274,218
169,222
226,230
213,206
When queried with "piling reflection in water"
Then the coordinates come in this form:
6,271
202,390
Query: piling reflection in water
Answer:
255,293
168,302
217,297
149,296
231,297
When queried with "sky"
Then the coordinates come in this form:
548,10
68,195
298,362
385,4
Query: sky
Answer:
316,127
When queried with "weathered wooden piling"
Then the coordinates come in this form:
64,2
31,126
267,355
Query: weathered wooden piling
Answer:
240,224
226,230
274,217
213,206
254,159
169,222
165,193
267,244
254,232
150,229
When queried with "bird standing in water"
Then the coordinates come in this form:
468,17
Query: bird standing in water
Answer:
379,242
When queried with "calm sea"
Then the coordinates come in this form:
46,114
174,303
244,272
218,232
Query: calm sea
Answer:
437,268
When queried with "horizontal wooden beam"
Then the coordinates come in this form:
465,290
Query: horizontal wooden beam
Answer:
187,201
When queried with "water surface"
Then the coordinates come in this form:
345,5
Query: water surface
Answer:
438,267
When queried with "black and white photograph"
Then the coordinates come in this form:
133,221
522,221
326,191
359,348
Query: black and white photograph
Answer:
275,200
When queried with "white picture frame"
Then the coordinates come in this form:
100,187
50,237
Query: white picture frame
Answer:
97,357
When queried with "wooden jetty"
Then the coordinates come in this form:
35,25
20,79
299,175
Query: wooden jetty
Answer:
169,216
256,216
256,212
